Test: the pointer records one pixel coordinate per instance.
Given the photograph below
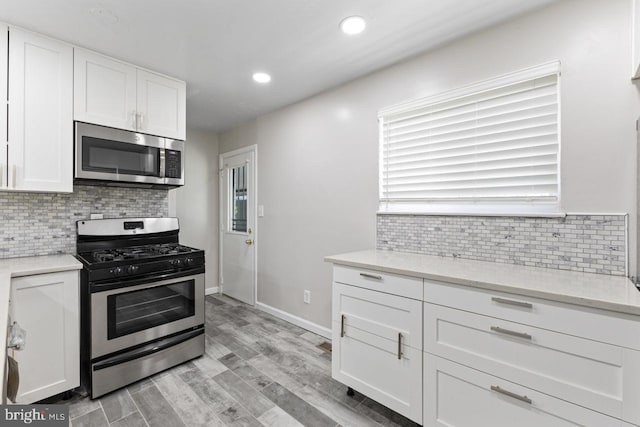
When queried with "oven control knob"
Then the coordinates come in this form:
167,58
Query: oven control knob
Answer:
133,269
189,261
117,271
176,262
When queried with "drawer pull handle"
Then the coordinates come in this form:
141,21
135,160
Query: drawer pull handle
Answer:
524,399
512,333
342,327
371,276
399,346
512,302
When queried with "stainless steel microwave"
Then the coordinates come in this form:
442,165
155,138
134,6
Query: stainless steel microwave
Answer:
107,156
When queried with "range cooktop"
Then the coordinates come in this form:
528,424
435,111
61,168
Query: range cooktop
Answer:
135,252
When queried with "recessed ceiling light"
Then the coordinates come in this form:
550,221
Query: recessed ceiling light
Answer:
353,25
261,77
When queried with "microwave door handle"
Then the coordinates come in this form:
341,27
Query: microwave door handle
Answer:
163,161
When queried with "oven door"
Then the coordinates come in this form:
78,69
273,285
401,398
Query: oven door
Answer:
104,153
133,315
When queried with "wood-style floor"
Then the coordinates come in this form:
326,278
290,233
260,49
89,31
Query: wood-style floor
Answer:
257,371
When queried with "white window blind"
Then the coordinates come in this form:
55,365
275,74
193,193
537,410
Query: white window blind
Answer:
493,142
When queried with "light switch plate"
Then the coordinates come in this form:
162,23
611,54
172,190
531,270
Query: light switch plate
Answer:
260,211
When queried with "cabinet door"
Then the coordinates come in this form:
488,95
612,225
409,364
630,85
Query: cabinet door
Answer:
104,91
4,58
458,396
635,40
47,307
40,113
377,346
161,105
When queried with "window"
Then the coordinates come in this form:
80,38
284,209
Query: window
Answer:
239,198
488,148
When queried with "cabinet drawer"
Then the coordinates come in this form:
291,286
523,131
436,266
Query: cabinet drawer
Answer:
379,316
458,396
599,325
410,287
599,376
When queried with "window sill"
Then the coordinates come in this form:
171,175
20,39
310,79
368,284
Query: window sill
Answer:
480,214
551,210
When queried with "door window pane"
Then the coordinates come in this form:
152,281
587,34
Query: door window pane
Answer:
238,199
135,311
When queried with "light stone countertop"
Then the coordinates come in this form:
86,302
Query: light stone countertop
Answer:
612,293
27,266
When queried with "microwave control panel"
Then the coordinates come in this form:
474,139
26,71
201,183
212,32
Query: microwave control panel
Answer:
173,164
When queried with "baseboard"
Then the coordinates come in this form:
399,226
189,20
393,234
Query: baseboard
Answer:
298,321
210,291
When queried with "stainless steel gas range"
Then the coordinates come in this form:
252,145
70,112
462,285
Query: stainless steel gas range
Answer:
142,300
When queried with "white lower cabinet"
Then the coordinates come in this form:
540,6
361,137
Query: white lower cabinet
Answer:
470,357
46,306
459,396
592,374
377,347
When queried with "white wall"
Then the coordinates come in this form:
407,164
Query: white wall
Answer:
318,159
196,203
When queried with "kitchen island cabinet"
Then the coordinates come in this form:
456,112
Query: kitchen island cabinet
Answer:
501,344
377,338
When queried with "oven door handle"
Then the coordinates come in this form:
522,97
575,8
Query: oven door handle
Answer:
149,281
147,350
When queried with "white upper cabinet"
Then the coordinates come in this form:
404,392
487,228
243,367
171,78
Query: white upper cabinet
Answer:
635,42
104,91
111,93
161,105
4,58
40,145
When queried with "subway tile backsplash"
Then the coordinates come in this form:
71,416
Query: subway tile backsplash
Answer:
587,243
45,223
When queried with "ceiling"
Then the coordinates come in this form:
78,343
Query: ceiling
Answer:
216,45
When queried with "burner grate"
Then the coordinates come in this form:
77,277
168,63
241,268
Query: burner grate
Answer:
136,252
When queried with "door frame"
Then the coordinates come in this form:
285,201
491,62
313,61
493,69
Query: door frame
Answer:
221,215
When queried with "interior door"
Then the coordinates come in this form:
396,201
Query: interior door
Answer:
237,228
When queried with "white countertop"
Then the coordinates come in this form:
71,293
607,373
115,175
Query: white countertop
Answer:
27,266
591,290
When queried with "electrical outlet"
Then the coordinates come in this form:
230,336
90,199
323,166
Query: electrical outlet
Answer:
307,297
